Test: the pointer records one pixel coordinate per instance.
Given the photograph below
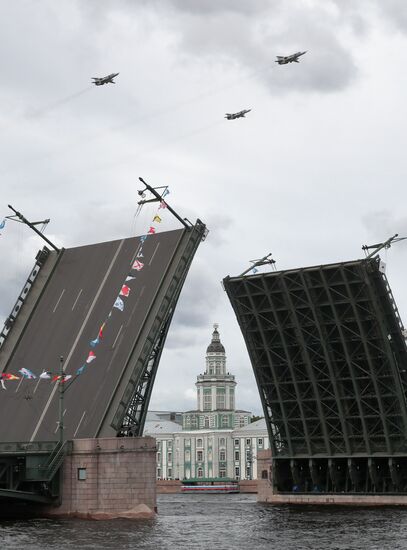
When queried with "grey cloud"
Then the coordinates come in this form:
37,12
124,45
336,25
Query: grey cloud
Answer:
382,224
395,11
202,7
253,43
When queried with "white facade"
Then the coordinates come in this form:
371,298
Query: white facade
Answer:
215,440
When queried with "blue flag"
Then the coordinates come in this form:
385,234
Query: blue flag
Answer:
119,304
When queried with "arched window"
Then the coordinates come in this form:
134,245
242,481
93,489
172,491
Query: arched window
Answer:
199,442
222,442
200,472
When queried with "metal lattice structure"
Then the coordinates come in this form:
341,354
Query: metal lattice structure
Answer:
330,360
131,413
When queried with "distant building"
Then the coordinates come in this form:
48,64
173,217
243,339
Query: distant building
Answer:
214,440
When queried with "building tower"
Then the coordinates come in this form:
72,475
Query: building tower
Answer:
215,440
216,387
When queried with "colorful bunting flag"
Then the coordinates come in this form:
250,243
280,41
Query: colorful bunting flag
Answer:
2,384
138,266
63,378
9,376
143,238
140,255
157,219
151,231
119,304
2,224
45,375
125,291
166,192
254,270
27,373
129,278
163,204
91,357
81,369
94,342
102,328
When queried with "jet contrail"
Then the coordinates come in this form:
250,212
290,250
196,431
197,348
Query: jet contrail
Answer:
54,105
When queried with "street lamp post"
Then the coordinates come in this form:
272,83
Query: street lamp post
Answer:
61,400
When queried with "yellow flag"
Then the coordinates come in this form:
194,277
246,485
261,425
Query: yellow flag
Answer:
157,219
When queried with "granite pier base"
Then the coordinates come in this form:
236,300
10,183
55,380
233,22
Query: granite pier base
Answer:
109,478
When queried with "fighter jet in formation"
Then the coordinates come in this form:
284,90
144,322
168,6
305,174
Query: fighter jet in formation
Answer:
240,114
104,79
283,60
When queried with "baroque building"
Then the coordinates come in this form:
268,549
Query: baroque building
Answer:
215,440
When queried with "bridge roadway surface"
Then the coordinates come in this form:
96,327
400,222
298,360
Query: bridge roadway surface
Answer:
77,300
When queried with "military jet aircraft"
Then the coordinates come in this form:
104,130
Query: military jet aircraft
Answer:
104,79
240,114
283,60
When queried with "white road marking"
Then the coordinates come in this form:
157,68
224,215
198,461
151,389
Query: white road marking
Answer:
59,299
118,334
77,298
80,422
102,284
152,257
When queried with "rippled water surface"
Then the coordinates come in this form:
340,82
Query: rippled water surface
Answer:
221,522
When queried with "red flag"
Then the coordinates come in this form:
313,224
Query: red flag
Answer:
151,230
91,357
100,335
9,376
162,205
137,265
125,291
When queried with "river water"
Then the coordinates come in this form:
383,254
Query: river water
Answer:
221,522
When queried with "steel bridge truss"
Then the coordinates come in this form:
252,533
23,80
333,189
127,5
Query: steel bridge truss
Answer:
131,414
330,361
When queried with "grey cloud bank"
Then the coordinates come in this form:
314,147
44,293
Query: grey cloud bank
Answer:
314,171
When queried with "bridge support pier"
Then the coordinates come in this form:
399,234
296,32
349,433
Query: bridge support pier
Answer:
109,478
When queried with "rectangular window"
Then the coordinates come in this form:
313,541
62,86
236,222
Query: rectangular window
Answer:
207,403
236,443
158,473
169,457
237,473
220,402
169,473
82,474
222,472
158,457
236,455
248,441
199,456
260,442
222,455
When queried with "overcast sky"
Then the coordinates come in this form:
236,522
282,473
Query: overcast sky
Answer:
315,170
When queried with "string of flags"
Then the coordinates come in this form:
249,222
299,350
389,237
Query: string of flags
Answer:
119,304
3,224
